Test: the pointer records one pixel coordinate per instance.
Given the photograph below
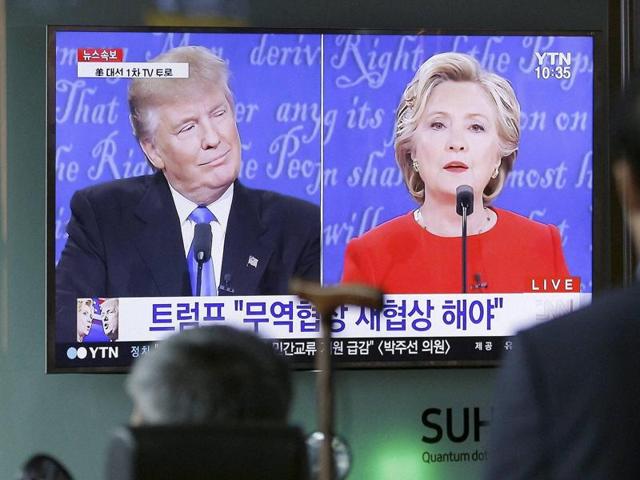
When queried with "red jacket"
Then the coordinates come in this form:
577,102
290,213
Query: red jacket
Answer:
400,256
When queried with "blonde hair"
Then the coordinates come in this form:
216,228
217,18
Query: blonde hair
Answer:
456,67
206,71
81,303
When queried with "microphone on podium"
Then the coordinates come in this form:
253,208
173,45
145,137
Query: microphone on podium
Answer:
225,287
201,249
464,207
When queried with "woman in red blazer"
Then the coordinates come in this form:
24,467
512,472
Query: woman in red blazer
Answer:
456,124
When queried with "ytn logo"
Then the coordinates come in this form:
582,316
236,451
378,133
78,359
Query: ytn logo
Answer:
554,58
93,352
457,428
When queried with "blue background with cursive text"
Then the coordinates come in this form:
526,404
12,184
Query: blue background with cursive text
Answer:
295,91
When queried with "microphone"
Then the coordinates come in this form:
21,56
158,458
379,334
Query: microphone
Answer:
479,283
201,249
225,285
464,207
464,199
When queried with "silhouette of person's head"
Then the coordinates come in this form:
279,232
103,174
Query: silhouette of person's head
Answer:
209,375
43,467
625,155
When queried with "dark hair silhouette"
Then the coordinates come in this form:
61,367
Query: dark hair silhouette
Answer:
626,129
44,467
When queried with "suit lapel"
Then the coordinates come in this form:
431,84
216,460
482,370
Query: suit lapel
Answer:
158,239
246,250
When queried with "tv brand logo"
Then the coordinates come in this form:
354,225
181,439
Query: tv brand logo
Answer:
554,58
93,352
457,428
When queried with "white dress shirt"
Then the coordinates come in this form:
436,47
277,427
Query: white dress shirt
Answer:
220,208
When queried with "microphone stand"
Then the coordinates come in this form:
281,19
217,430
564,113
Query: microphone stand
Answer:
202,250
200,260
464,207
326,300
464,249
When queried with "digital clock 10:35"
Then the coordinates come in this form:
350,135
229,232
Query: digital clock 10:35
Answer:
546,72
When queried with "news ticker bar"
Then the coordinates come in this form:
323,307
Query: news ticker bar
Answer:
351,352
289,317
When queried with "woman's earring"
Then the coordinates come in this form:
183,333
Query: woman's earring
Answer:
415,166
408,112
496,172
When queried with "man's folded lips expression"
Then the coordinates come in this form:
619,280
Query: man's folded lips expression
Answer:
215,161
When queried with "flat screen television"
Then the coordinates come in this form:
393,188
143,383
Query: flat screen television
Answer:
316,113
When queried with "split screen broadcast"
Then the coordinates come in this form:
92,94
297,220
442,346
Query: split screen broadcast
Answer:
328,156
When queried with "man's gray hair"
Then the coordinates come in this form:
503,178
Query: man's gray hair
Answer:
207,71
211,374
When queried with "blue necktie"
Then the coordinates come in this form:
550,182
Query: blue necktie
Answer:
201,215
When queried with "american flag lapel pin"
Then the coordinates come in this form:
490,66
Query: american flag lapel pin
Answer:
253,261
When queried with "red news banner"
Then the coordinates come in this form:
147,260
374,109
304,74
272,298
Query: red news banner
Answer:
100,55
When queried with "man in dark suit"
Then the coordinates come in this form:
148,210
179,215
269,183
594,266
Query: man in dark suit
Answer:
134,237
568,397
